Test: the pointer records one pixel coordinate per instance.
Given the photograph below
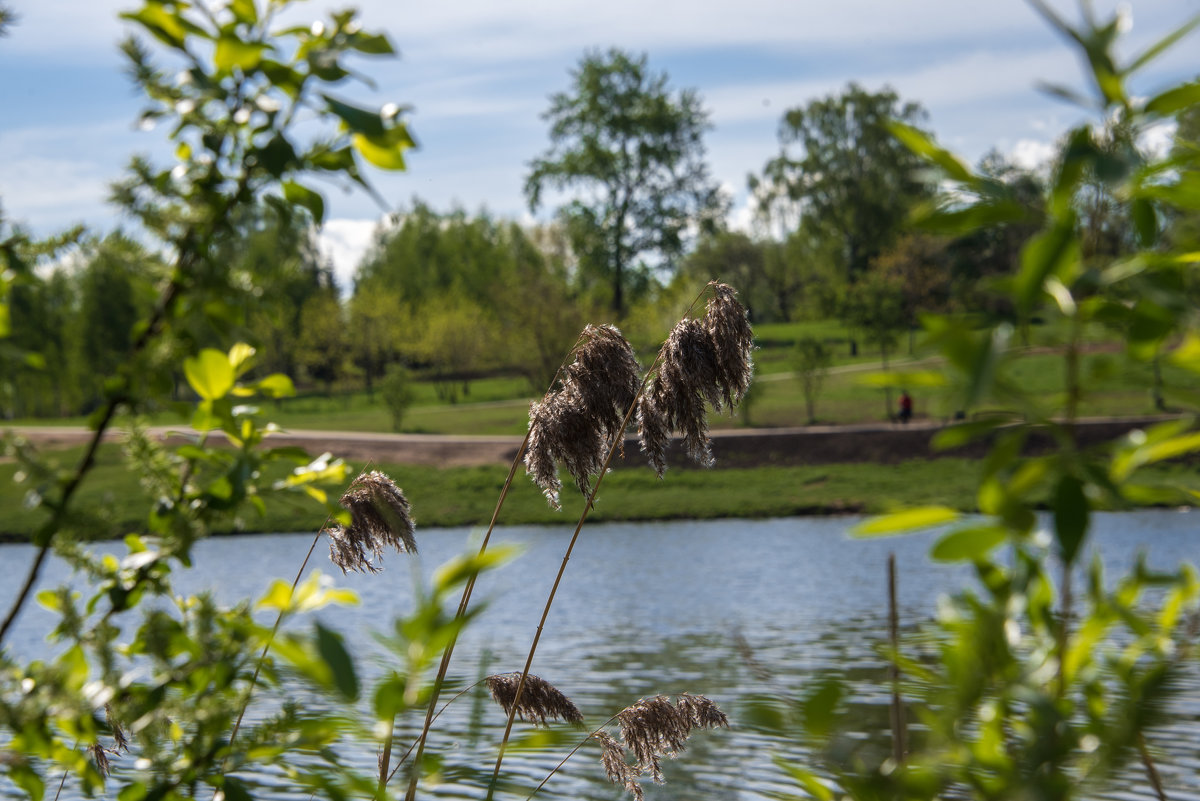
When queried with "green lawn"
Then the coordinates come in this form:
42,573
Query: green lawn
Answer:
499,404
111,501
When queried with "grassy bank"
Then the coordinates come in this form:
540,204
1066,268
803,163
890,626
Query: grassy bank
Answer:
111,500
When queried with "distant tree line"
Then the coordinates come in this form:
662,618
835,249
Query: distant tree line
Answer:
451,295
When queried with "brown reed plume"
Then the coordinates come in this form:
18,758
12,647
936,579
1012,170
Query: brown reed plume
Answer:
616,767
704,362
574,423
728,382
652,729
380,516
100,757
539,700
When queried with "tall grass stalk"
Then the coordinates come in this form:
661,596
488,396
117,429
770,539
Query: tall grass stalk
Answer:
616,434
464,603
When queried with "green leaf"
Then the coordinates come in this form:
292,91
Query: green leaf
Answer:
907,520
232,52
244,10
358,120
820,707
209,373
1162,45
303,196
385,152
921,144
1049,253
50,599
811,783
240,356
234,790
1145,220
968,544
163,23
1071,513
333,651
25,777
1175,99
276,385
372,44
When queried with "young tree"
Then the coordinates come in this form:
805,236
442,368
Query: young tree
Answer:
810,362
633,151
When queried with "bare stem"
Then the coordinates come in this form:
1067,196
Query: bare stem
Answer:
468,589
1151,770
899,726
572,753
439,681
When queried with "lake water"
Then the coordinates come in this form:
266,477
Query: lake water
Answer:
661,608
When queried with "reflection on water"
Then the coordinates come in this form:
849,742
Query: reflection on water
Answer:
663,608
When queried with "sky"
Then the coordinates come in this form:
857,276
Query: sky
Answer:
478,75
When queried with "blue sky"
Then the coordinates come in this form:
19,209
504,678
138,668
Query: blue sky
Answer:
478,74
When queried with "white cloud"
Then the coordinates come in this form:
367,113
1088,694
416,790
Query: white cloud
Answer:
344,242
1032,154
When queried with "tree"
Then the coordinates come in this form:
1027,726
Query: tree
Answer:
323,347
810,363
634,151
851,179
916,264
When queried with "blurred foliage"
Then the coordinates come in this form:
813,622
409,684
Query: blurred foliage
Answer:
1047,679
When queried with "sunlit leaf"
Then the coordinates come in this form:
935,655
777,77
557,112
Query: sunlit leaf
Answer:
232,52
385,152
920,143
209,373
239,357
967,544
276,385
907,520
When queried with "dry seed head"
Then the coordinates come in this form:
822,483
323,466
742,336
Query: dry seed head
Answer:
653,728
612,757
100,756
380,516
575,422
118,733
603,377
539,699
733,339
704,361
703,713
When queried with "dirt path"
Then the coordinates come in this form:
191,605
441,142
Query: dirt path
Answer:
879,442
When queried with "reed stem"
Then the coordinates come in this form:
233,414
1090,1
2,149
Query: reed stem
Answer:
411,793
899,725
468,589
617,441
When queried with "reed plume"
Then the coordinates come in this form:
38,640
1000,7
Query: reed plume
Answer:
704,362
539,700
100,757
618,770
688,375
121,742
575,421
652,729
380,516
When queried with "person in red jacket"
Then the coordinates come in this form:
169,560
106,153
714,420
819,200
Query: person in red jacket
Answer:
905,406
